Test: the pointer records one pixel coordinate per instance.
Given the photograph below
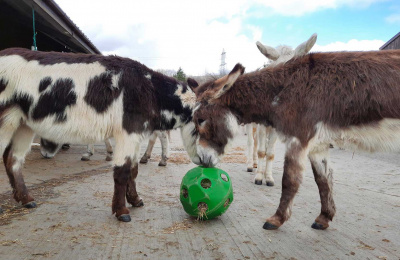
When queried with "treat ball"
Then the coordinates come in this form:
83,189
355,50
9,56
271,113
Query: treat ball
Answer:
206,193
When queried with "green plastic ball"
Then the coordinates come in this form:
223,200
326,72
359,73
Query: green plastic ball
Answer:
206,193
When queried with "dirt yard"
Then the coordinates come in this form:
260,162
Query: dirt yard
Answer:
73,219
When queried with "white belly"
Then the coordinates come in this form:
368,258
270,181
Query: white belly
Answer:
382,136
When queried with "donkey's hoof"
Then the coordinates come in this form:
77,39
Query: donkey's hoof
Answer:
249,169
270,183
30,205
162,164
138,204
109,158
258,182
318,226
65,146
46,155
85,159
144,160
269,226
125,218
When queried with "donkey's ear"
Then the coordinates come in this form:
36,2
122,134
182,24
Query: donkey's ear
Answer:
234,74
225,83
192,83
306,46
269,52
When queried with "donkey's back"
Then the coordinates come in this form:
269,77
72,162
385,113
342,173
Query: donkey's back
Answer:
351,99
66,97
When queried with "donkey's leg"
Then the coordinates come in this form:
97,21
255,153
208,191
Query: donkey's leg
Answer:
125,160
89,152
6,133
10,120
255,155
131,193
13,158
169,135
270,155
295,158
319,158
250,147
109,149
164,148
261,138
121,177
152,140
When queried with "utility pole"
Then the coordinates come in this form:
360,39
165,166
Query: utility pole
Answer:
222,67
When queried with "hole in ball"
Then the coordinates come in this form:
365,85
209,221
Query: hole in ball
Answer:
224,177
205,183
185,193
226,204
202,207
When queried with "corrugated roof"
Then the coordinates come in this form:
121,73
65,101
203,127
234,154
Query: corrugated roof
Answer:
57,9
50,20
391,40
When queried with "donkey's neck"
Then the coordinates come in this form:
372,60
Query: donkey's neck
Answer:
251,98
176,104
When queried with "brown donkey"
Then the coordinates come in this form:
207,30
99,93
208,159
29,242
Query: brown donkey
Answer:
349,99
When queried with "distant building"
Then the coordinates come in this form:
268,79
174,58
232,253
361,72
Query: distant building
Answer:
393,43
55,31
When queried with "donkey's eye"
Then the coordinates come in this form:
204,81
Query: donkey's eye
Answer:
200,121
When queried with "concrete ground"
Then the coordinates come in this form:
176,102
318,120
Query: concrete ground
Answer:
73,219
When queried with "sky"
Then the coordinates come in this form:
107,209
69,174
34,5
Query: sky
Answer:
192,34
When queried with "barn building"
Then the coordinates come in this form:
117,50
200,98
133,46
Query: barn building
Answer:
54,30
393,43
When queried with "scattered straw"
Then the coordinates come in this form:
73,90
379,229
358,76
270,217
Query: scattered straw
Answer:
235,155
10,242
177,158
103,194
184,225
41,192
365,246
44,254
179,149
234,158
238,148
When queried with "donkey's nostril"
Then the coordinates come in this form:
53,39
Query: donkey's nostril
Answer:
207,161
196,160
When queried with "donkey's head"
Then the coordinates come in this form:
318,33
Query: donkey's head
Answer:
49,149
214,124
